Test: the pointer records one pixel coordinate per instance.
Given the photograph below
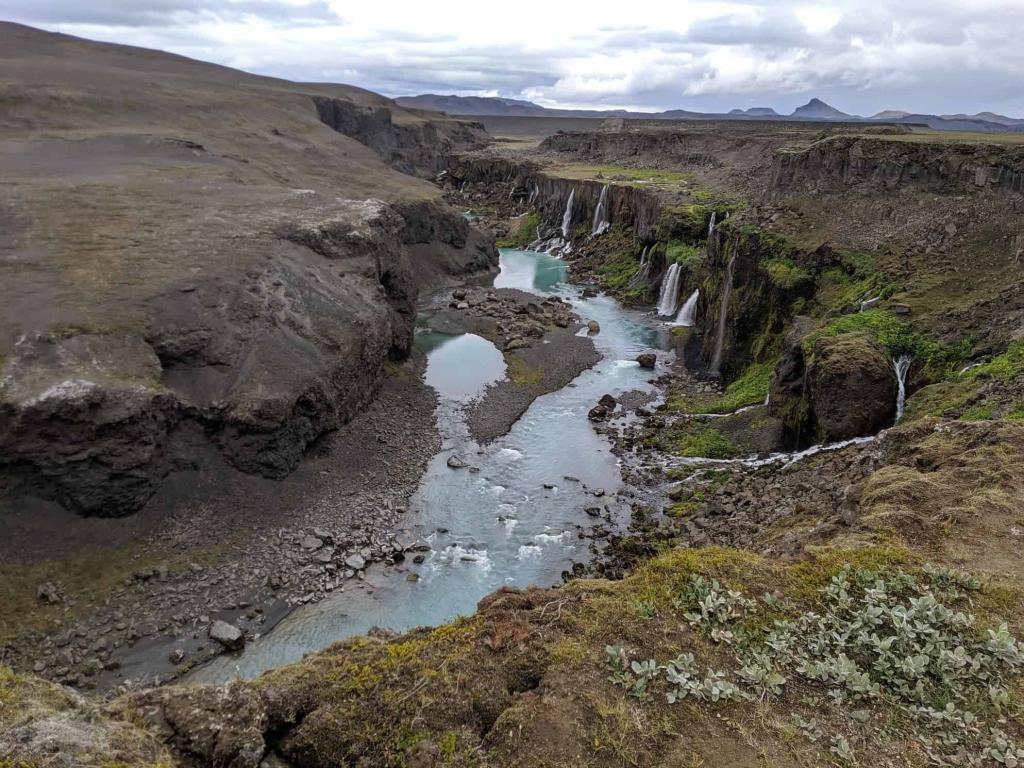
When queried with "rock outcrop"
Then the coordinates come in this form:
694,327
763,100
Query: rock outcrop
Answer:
844,387
868,165
213,274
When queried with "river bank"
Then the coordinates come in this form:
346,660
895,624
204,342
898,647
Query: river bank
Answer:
345,523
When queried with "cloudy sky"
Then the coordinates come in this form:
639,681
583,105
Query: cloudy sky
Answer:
935,56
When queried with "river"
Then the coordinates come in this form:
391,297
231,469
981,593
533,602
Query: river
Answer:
513,517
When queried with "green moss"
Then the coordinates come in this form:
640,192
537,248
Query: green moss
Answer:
978,413
521,373
694,439
686,255
750,388
1016,412
785,273
938,358
1003,368
616,275
524,232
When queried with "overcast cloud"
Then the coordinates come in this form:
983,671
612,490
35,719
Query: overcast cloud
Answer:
935,56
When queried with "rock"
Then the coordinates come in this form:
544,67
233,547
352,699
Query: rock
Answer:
355,562
310,543
177,656
598,413
593,511
861,715
49,593
647,359
849,508
459,294
599,492
456,463
412,577
608,402
851,388
228,635
593,327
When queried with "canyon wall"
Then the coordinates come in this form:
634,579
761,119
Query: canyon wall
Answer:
217,269
872,165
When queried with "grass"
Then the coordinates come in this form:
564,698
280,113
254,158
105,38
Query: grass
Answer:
626,176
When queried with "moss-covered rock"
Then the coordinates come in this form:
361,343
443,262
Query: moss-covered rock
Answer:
851,388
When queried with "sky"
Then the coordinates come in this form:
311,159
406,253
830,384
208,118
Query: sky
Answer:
928,56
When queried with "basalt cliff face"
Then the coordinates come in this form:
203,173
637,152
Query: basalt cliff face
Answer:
222,263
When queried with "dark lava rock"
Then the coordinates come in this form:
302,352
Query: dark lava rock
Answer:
607,401
597,413
647,360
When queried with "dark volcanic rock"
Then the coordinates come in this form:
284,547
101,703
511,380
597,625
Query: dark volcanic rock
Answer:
851,387
647,360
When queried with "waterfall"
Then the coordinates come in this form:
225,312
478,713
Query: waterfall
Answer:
870,303
901,365
600,224
688,314
711,225
567,216
639,277
669,298
723,313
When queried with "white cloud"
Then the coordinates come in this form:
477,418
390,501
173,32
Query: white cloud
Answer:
861,55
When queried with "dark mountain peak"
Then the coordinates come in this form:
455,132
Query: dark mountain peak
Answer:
818,109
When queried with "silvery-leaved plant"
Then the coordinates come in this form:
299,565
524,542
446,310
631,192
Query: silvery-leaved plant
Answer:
1002,749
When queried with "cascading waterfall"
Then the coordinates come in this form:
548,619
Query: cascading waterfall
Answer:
711,225
668,300
567,216
723,314
600,224
901,365
688,314
640,276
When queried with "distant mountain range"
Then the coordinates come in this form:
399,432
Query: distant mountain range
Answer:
815,109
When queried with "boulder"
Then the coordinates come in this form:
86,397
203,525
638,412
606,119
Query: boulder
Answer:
456,463
647,360
593,327
228,635
598,413
850,388
607,401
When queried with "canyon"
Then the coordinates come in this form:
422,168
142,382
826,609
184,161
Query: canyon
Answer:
334,431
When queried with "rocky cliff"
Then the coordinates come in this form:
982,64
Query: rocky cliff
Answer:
868,165
224,262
